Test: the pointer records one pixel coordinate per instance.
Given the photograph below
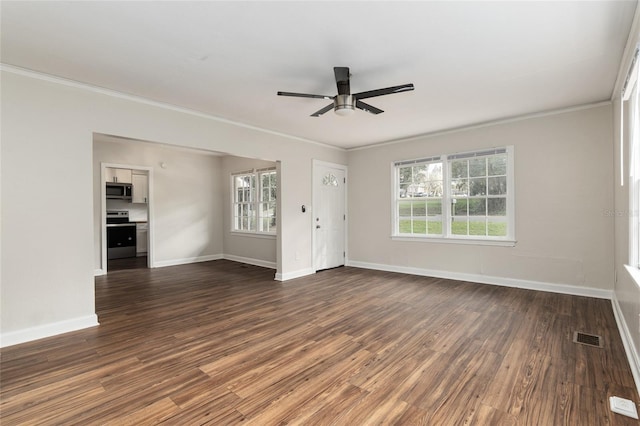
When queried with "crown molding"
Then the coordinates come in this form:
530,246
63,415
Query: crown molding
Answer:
139,99
484,124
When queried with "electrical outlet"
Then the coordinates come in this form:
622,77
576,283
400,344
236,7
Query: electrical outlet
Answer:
626,407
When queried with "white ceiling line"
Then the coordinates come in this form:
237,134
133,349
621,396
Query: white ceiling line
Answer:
485,124
114,93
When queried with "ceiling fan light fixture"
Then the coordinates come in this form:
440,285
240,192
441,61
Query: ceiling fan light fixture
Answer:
344,105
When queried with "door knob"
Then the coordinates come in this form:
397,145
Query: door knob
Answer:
317,226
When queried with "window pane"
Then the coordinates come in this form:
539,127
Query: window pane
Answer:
434,207
459,187
404,226
434,188
497,226
265,194
404,208
403,190
419,226
459,226
477,206
497,165
477,226
419,208
273,194
459,169
478,186
405,175
435,227
420,174
478,167
459,207
265,180
498,185
497,206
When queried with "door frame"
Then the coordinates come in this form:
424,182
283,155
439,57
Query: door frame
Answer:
103,212
314,195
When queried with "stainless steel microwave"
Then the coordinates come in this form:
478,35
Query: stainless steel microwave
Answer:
119,191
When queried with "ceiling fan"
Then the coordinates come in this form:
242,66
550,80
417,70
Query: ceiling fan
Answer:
344,103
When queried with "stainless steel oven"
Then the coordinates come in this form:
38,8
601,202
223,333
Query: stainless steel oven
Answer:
121,235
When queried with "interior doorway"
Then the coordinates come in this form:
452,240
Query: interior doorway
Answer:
126,216
329,215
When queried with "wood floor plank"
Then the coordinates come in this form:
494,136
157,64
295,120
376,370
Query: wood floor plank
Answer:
221,343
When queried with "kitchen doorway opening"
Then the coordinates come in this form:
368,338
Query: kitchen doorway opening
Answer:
191,192
126,216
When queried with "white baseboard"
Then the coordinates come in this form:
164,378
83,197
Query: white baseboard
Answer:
486,279
99,272
47,330
250,261
632,355
295,274
187,260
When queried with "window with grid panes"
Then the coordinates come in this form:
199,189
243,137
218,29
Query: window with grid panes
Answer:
254,201
456,196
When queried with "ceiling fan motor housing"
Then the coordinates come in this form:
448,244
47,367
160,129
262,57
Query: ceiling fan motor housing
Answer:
344,104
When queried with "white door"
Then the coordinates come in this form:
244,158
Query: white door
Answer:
329,216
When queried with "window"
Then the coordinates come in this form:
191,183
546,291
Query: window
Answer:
254,201
459,196
631,106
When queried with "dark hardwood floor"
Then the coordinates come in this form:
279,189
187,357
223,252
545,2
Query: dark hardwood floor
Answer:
222,343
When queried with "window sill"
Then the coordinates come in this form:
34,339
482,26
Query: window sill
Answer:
634,273
464,241
254,235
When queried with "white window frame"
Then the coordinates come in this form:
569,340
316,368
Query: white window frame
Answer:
632,97
256,201
447,236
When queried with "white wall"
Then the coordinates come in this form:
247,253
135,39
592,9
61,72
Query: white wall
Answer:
259,250
563,175
47,133
187,198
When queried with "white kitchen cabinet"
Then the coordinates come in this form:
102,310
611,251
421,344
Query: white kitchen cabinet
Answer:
117,175
142,232
140,188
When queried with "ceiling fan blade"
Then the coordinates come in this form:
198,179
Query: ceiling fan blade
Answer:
322,111
342,80
304,95
368,108
386,91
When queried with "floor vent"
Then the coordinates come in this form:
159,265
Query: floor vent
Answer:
587,339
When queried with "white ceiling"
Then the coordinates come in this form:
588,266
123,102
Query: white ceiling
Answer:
470,62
